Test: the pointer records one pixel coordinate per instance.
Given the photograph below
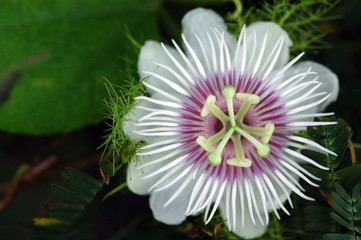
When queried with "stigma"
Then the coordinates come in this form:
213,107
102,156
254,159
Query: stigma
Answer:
234,129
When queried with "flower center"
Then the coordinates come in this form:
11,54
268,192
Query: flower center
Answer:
234,128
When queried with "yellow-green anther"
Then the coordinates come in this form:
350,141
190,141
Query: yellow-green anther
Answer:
269,129
259,131
202,141
211,100
210,106
228,93
215,158
248,99
265,132
218,113
263,150
240,160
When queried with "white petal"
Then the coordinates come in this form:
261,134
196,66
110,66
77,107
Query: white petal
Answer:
135,174
275,32
130,126
329,81
133,117
201,21
248,230
175,212
152,53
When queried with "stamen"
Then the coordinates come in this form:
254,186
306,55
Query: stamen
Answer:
265,132
262,149
210,106
247,99
216,137
228,93
234,128
240,160
207,144
202,141
215,158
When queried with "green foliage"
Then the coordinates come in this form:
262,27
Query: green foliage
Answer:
334,182
334,138
65,221
55,54
347,212
318,220
118,148
349,176
300,19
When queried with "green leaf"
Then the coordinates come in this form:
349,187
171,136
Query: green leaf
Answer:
107,166
342,192
319,227
348,177
356,192
357,207
334,138
334,236
81,182
65,211
317,210
341,211
357,216
56,54
70,195
358,229
341,221
341,202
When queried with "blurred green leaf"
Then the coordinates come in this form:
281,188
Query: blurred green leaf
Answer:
348,177
81,182
70,195
356,192
55,54
334,138
83,192
65,211
341,221
342,192
341,202
335,236
341,211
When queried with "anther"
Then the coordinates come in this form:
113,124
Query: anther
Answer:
207,144
269,129
248,99
215,158
211,99
240,160
210,106
202,141
263,150
265,132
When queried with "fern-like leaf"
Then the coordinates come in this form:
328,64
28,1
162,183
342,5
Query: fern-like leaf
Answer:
346,213
81,191
334,138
